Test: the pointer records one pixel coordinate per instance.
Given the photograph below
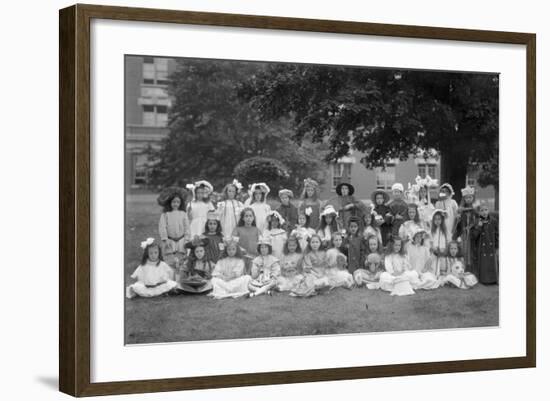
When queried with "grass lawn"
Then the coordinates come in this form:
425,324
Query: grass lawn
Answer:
196,317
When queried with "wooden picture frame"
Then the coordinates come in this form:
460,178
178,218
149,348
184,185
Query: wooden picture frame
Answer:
74,203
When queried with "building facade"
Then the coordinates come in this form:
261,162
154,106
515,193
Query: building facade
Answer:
365,181
146,113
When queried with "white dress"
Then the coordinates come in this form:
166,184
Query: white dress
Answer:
197,212
451,207
229,212
152,280
278,238
303,234
420,261
265,270
438,244
261,209
425,210
228,279
398,276
174,229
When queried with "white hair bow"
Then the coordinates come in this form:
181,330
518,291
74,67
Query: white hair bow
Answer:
147,242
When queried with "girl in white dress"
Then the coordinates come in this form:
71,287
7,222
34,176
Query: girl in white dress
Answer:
421,262
230,208
449,206
328,225
228,278
154,277
291,265
277,235
265,269
199,207
438,242
258,203
399,275
411,225
174,229
303,232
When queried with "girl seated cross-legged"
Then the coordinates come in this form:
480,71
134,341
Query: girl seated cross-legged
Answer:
154,277
229,278
265,269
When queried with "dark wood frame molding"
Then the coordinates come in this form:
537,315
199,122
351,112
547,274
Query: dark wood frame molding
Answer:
74,199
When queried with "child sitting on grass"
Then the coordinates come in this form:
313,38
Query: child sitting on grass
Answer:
291,265
229,279
154,277
374,266
265,269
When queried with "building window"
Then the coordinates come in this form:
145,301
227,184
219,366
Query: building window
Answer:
155,71
341,172
155,116
426,169
471,181
385,177
140,170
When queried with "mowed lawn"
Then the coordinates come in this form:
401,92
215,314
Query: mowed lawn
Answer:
196,317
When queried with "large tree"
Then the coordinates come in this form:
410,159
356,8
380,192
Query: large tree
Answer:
211,129
385,113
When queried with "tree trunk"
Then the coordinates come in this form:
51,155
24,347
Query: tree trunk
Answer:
454,168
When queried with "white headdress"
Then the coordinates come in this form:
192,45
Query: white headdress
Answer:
147,242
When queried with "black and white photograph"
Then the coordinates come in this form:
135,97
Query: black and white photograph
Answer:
270,199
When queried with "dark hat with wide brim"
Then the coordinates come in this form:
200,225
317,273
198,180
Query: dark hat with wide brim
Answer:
169,193
379,191
339,188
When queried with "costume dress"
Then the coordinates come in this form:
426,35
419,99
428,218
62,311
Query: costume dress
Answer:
450,206
315,216
398,277
303,234
467,219
261,210
278,239
229,212
290,214
420,261
197,212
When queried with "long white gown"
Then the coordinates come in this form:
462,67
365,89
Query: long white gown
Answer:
398,276
229,212
419,259
197,212
261,210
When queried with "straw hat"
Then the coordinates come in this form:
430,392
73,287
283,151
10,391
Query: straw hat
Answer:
383,193
329,209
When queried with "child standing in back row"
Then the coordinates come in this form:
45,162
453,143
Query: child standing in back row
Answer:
199,207
398,209
258,203
230,208
287,210
382,212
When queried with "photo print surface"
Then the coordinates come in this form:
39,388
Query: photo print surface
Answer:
268,199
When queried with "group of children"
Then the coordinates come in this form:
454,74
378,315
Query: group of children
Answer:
241,247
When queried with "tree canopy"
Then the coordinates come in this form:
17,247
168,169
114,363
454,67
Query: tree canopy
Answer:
384,113
211,129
